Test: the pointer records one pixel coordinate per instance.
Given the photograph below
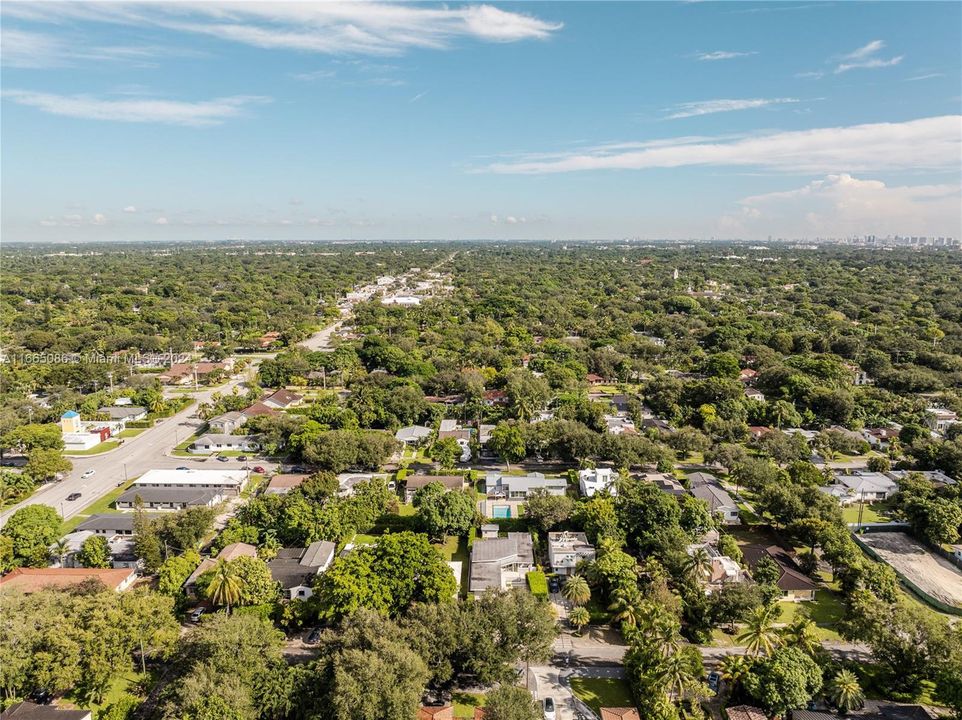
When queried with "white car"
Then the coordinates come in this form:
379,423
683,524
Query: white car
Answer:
549,711
88,473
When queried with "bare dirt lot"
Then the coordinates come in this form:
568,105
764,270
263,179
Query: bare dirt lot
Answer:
933,574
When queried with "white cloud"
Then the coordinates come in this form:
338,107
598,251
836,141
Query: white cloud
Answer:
846,205
866,57
100,219
26,49
722,55
130,209
161,221
149,110
924,144
374,28
708,107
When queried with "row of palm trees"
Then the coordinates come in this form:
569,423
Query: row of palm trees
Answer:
577,591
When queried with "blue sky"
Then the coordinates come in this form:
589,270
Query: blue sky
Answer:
190,120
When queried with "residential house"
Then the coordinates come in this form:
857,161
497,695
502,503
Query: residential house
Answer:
283,483
595,480
258,408
176,498
705,486
872,710
451,428
758,431
755,394
227,423
939,419
747,375
745,712
490,530
282,399
619,425
494,397
793,584
33,711
619,713
228,553
865,486
110,524
484,433
567,549
436,712
126,413
121,549
228,482
722,571
186,373
666,483
594,379
347,481
212,443
957,553
501,563
621,403
295,568
413,434
880,438
413,483
506,494
936,477
30,580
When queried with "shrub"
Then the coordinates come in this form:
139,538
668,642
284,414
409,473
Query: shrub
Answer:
538,584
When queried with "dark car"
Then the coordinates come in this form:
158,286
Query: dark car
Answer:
314,637
242,458
713,679
554,585
298,469
183,467
41,696
259,469
73,496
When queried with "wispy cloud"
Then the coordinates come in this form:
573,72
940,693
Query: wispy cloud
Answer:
365,28
709,107
926,76
867,57
28,49
722,55
137,110
933,143
418,96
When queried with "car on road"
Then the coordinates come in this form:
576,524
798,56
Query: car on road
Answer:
88,473
183,467
73,496
223,458
259,469
549,711
242,458
196,614
297,469
554,585
314,637
714,678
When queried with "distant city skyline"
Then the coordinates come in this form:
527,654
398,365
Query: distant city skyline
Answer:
326,121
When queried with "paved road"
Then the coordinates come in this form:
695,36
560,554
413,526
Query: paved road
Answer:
136,456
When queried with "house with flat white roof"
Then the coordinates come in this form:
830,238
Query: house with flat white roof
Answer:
595,480
213,442
939,419
567,549
229,482
501,563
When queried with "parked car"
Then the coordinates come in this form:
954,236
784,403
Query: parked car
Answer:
259,469
41,696
554,585
73,496
88,473
242,458
314,637
183,467
549,711
714,678
223,458
196,614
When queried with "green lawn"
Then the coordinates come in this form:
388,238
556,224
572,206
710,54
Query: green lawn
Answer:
602,692
95,508
465,703
362,539
126,683
181,450
97,450
825,612
406,510
870,513
130,432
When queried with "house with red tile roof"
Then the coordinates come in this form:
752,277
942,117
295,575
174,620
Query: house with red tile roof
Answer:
30,580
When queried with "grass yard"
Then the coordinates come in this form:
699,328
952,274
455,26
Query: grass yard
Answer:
130,433
126,683
602,692
465,703
362,539
97,507
97,450
825,612
406,509
181,450
870,514
720,638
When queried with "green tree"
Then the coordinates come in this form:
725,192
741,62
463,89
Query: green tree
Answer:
175,570
845,693
445,452
32,530
441,512
785,680
511,702
760,635
507,440
224,586
576,590
95,552
257,585
546,510
579,617
45,464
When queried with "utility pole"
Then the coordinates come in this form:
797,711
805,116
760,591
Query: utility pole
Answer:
861,508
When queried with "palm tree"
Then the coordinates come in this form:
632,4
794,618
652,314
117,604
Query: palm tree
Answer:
845,692
60,548
760,635
734,668
579,617
225,585
625,607
677,672
698,564
576,590
801,633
